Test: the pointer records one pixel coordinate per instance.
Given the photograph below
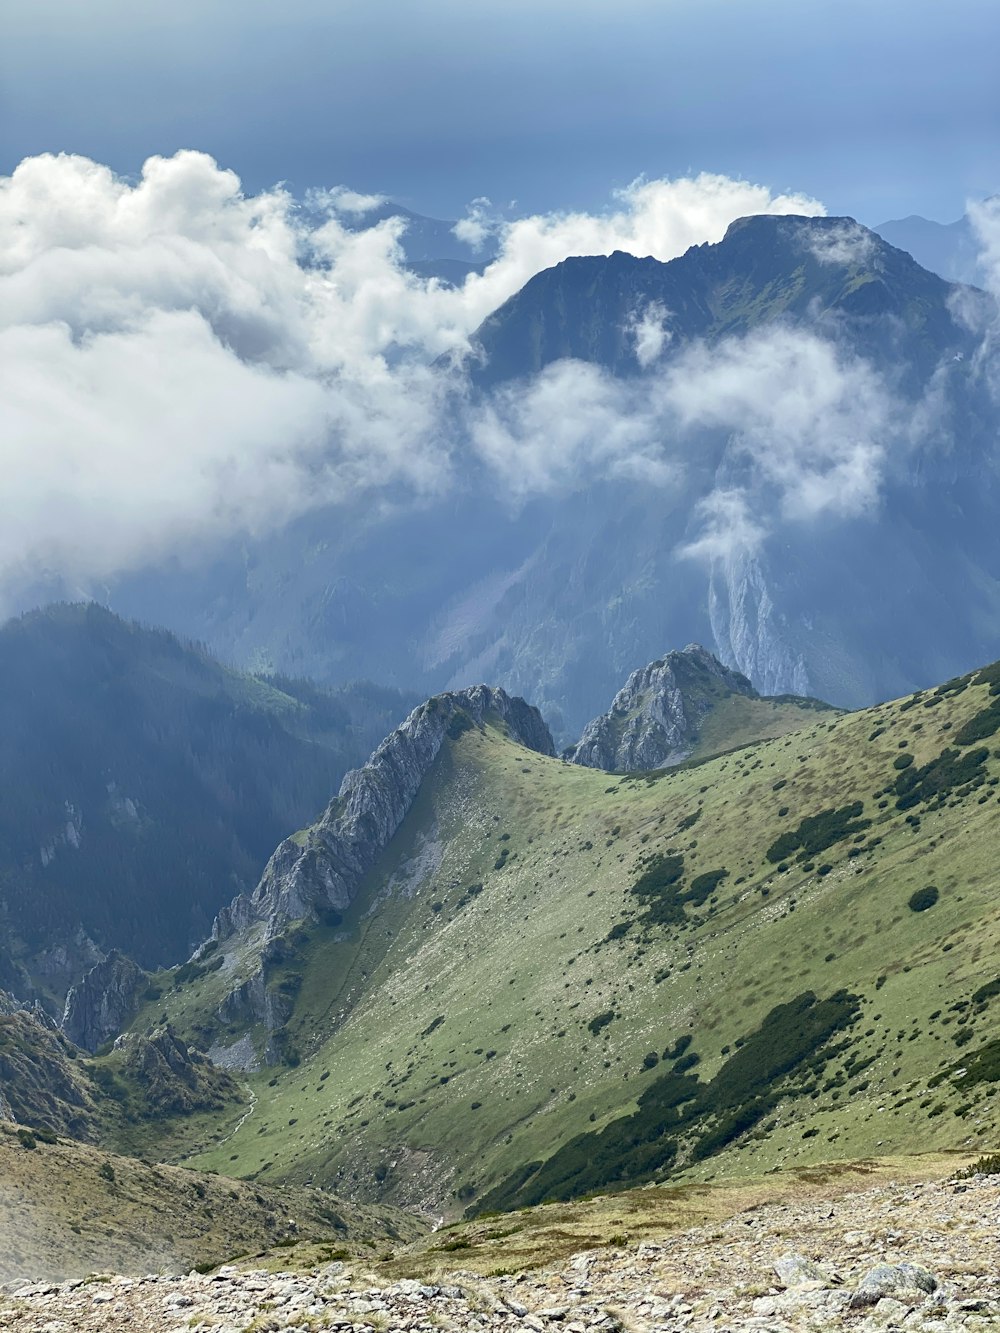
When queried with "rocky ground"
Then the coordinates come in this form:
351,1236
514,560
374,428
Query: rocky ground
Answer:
909,1256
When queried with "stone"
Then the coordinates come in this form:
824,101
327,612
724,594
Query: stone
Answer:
795,1270
905,1280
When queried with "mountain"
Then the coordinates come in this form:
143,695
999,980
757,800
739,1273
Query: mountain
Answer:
950,249
144,783
766,270
685,705
548,981
556,593
430,247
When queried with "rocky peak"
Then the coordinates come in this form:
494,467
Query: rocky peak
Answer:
175,1079
655,718
104,1002
323,868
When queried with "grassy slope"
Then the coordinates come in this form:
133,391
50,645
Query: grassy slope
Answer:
443,1047
67,1210
736,721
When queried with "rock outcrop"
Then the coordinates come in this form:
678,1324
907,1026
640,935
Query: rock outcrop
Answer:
174,1078
322,869
41,1082
654,719
104,1002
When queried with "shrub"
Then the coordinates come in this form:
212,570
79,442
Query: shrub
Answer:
816,833
601,1021
923,899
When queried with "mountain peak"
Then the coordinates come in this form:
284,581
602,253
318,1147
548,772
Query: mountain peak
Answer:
767,268
684,704
322,868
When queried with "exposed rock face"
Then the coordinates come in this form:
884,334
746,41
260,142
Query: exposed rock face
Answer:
175,1078
654,719
322,869
104,1002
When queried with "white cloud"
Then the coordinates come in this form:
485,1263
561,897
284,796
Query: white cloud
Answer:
341,199
985,218
569,423
182,362
649,333
729,528
846,243
813,423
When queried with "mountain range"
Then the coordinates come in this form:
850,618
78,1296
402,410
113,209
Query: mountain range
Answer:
143,783
621,916
864,495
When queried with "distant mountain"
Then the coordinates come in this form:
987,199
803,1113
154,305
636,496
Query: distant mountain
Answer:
682,706
430,246
558,596
766,270
950,249
144,784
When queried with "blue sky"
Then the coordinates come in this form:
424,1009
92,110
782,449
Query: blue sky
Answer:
877,109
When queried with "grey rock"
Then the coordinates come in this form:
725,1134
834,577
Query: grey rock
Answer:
104,1002
795,1270
901,1281
655,717
323,869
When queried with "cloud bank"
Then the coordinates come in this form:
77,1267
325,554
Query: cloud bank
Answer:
181,363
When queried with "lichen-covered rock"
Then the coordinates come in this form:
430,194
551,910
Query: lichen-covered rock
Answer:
323,868
902,1282
795,1270
104,1002
655,717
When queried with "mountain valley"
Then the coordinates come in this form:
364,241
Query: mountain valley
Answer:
553,980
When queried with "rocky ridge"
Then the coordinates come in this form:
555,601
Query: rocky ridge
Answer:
919,1257
103,1003
654,718
41,1082
322,868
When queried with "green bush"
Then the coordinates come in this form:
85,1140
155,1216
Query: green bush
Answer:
923,899
816,833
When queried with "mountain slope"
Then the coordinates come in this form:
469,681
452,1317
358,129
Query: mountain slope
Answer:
70,1211
144,784
685,705
552,981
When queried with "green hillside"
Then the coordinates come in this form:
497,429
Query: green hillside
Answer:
556,981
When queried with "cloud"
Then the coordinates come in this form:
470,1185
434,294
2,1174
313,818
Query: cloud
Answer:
650,333
182,363
728,527
568,424
846,243
812,422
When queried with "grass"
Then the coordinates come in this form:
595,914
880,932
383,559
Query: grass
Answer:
68,1210
455,1030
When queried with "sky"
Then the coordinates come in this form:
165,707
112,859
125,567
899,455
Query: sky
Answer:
879,110
193,352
